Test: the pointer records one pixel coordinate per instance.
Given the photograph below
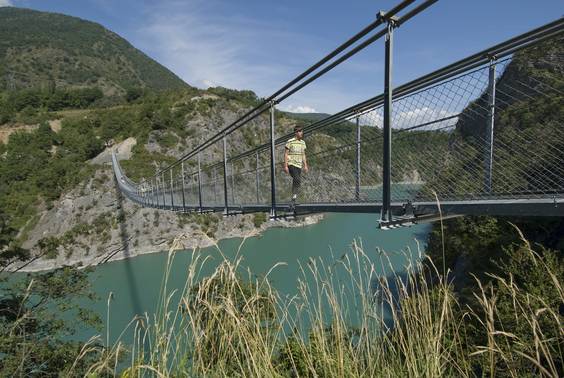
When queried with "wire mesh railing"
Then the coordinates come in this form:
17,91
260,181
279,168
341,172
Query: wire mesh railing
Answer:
487,128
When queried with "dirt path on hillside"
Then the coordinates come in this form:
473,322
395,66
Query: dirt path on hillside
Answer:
8,129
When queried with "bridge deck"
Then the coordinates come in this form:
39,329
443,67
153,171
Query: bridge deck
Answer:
508,207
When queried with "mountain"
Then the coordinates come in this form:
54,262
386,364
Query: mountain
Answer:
41,49
309,117
528,113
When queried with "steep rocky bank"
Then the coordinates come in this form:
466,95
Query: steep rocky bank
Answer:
94,224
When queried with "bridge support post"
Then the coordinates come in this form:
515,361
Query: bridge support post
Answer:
163,189
214,187
157,194
490,129
183,188
156,198
386,215
233,182
153,193
225,196
171,189
199,184
272,165
257,178
357,168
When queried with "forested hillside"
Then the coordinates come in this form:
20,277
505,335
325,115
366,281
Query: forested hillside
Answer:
48,50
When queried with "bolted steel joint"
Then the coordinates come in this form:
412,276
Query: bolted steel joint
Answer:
491,57
392,21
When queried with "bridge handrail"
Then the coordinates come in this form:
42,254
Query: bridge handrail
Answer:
450,71
453,70
459,68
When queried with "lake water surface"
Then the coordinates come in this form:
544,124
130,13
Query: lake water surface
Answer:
135,283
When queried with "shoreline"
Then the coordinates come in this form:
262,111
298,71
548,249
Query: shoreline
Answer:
184,241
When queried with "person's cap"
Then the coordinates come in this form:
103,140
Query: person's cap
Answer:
298,128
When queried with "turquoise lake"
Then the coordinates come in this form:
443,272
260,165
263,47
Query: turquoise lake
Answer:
135,283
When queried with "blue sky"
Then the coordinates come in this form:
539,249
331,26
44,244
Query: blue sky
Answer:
260,45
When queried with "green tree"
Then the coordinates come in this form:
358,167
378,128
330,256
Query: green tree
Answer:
132,94
9,252
33,331
34,313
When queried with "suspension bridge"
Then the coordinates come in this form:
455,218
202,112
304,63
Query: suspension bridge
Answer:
483,135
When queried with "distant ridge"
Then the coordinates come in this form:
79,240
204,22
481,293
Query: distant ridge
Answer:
41,48
311,117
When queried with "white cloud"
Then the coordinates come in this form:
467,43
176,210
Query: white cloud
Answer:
299,109
6,3
419,116
206,47
209,83
411,118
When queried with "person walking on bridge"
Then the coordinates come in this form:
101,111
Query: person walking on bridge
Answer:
295,161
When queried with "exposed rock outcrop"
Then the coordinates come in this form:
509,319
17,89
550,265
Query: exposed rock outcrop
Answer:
93,224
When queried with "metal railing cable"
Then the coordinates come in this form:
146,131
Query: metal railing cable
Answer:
470,131
473,62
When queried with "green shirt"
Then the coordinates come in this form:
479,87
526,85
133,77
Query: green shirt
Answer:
296,152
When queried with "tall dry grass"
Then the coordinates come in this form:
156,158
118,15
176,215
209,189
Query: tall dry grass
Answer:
346,320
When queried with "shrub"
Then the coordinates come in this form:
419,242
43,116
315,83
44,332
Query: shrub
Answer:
259,219
49,246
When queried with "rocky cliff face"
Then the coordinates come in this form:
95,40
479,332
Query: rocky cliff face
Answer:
532,73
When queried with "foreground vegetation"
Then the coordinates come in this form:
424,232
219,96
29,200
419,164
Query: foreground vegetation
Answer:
347,320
